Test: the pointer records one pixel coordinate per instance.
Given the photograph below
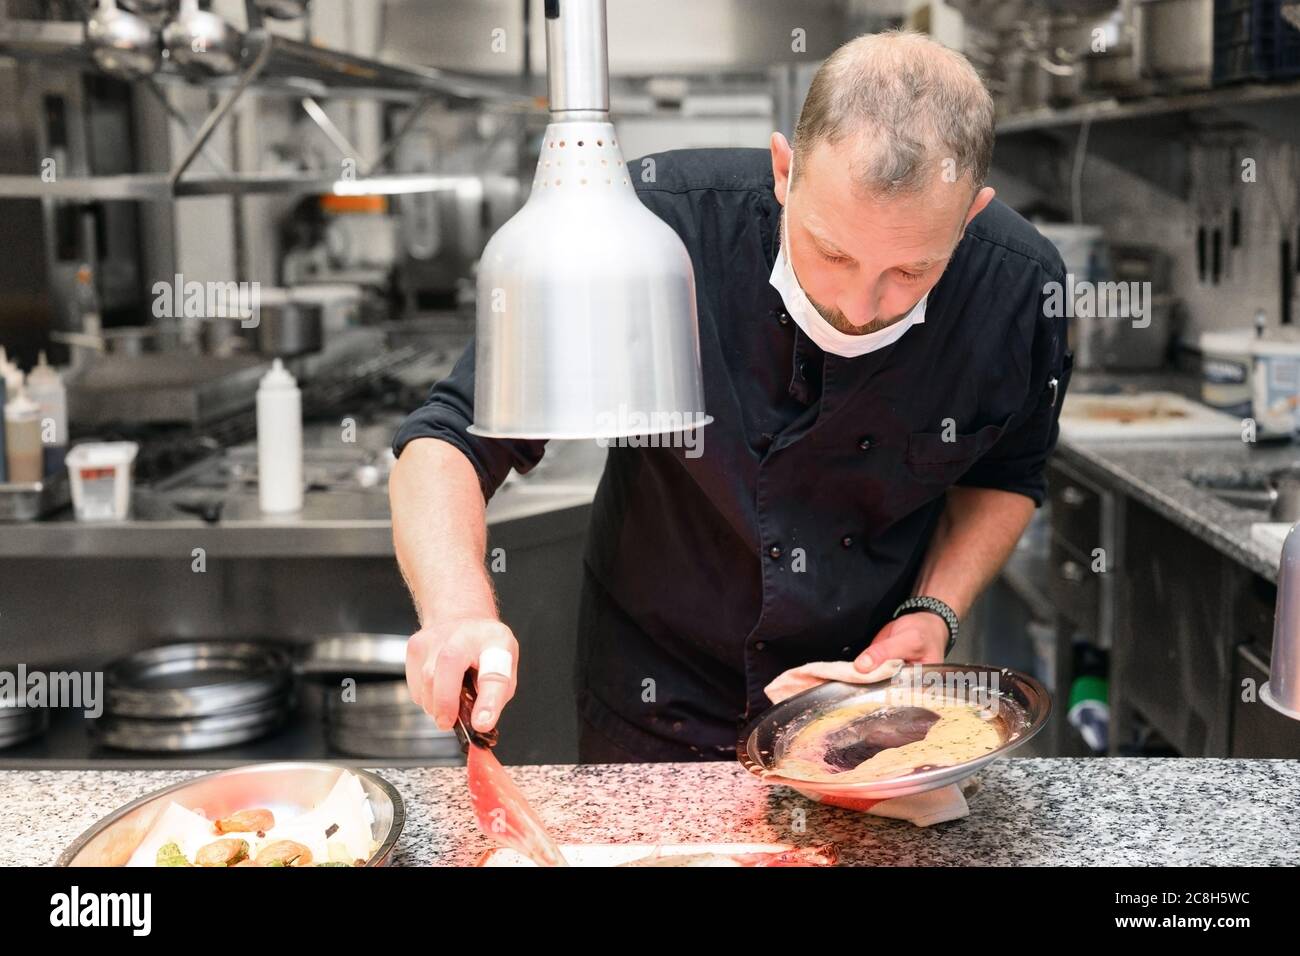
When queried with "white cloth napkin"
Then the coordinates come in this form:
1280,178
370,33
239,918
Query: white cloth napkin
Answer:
922,809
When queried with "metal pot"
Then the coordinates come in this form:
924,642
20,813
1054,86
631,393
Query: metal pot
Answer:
1113,72
1175,43
285,326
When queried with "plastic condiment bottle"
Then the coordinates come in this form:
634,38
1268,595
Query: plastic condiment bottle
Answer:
45,388
279,442
13,376
23,438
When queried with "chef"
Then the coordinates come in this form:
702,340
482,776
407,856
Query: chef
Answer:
884,382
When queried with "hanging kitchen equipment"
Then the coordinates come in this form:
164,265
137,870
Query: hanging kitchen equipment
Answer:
587,321
122,43
201,39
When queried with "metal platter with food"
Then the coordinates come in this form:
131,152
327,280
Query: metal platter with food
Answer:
926,727
274,815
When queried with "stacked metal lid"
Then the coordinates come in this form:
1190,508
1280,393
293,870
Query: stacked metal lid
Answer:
196,695
19,721
357,683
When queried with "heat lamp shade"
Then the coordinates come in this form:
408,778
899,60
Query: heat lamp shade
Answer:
586,324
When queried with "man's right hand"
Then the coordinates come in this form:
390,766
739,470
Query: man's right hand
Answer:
439,654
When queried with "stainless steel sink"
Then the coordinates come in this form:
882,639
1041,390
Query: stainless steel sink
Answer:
1271,491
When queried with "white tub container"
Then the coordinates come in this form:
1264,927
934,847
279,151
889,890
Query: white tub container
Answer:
100,475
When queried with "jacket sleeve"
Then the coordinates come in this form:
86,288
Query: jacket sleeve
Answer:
1018,460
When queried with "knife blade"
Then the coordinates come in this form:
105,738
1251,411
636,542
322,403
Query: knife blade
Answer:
502,811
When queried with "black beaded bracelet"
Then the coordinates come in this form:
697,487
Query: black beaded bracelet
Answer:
934,606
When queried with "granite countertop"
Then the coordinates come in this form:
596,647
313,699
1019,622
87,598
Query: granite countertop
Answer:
1027,811
1157,473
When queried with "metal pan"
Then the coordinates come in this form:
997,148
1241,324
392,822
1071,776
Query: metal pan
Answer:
321,693
397,743
353,654
283,787
1023,706
411,719
21,726
197,679
186,735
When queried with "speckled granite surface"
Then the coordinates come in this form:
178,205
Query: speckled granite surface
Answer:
1028,811
1156,473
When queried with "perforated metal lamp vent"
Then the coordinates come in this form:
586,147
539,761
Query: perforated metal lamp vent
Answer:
586,324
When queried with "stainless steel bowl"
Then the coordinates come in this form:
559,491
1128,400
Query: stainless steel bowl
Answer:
284,788
1023,706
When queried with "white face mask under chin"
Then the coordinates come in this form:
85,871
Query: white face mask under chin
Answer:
806,316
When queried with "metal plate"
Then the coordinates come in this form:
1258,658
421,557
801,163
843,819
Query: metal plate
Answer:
282,787
1023,708
186,735
19,727
197,679
407,719
394,744
349,654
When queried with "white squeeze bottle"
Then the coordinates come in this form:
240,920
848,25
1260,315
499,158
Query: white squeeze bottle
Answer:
45,388
279,442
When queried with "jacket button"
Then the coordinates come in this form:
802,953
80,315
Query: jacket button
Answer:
775,552
783,319
847,541
864,443
846,650
803,371
759,645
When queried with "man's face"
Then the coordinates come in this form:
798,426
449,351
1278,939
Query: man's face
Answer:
864,263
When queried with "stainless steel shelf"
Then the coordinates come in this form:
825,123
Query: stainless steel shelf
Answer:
1118,111
292,67
160,187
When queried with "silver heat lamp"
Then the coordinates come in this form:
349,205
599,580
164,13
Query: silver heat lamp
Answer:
586,324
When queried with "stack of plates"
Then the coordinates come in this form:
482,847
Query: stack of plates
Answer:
20,723
378,719
357,683
195,696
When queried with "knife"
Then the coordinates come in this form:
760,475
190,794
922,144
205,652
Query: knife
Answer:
500,808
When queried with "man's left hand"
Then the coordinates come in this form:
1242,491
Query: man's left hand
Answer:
917,638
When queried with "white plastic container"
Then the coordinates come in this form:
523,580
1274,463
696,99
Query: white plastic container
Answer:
1227,359
100,474
279,442
45,388
1275,382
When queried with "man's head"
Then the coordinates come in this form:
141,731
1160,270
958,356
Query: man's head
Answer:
890,155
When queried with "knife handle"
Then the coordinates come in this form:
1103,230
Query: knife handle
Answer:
464,726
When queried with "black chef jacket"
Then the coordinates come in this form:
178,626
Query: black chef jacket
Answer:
802,524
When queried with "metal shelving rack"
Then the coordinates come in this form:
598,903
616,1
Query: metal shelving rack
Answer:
274,65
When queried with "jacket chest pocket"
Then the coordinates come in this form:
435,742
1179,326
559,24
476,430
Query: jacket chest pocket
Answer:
945,457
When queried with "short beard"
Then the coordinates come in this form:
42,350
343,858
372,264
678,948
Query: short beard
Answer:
835,318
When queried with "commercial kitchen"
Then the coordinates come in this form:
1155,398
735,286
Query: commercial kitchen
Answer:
242,240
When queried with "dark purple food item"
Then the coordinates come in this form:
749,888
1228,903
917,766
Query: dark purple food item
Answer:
862,739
